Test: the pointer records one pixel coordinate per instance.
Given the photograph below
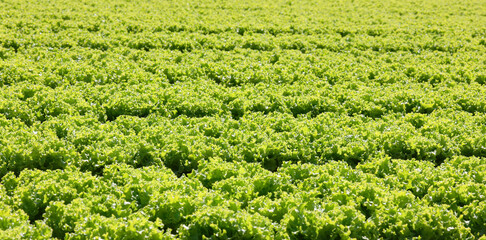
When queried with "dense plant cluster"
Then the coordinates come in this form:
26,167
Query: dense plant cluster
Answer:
242,119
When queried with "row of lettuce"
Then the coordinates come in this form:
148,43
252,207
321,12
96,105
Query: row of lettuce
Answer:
31,102
186,41
183,143
381,199
54,66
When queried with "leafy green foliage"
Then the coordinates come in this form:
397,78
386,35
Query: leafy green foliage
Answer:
242,119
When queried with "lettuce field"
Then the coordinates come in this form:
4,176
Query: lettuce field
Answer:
212,119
